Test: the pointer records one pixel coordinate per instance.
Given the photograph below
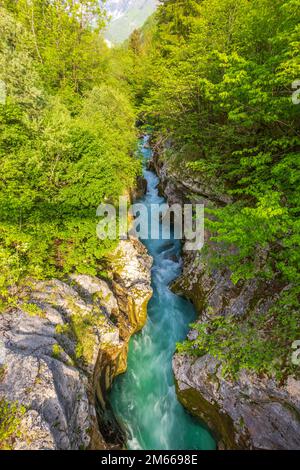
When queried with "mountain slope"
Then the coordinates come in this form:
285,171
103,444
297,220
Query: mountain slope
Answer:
126,15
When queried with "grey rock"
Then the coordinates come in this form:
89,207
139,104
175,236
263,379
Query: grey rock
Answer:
91,286
251,412
38,353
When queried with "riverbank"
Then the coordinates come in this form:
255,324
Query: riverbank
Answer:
250,411
144,399
62,348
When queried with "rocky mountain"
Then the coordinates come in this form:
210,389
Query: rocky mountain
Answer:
126,15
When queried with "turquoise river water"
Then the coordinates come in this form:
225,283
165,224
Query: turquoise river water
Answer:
144,399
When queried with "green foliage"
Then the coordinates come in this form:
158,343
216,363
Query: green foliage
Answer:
262,344
224,99
67,140
62,329
10,418
211,77
65,41
32,309
57,351
220,92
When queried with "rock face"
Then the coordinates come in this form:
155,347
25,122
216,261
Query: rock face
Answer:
250,412
61,349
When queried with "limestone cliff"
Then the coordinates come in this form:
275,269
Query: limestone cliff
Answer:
250,412
61,348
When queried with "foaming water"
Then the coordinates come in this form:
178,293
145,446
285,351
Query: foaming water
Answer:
144,398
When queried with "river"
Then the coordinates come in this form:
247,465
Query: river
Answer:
144,398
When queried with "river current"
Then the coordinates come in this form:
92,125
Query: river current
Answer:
144,399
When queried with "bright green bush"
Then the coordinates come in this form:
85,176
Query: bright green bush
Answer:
66,145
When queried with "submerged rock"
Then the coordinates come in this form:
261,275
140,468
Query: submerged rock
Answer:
61,349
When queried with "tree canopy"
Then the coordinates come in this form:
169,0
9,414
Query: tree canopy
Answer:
218,89
67,136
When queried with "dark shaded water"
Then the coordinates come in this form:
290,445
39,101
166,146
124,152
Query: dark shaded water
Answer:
144,399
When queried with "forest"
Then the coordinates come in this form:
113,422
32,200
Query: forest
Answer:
213,77
217,82
67,134
217,85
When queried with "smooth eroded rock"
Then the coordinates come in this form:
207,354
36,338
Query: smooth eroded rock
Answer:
59,360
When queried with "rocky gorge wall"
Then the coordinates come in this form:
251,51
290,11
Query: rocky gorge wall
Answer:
61,349
250,412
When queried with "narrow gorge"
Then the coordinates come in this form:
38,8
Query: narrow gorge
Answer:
65,349
114,336
251,411
144,399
